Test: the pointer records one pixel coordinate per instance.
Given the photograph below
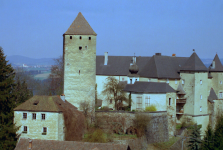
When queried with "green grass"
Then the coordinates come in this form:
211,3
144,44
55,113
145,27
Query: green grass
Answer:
166,145
151,108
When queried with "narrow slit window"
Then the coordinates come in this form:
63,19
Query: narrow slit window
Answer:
70,37
80,47
169,101
200,82
130,81
200,96
89,38
80,37
110,101
200,108
79,72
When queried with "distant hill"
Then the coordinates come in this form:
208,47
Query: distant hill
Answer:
17,60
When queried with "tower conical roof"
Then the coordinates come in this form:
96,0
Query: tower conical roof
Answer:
212,96
193,63
180,90
217,66
80,26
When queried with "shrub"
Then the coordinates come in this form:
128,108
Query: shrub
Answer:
151,108
97,136
186,122
105,108
140,123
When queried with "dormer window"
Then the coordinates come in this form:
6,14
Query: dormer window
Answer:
183,81
36,103
167,80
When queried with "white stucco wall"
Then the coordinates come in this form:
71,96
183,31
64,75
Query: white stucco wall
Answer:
53,121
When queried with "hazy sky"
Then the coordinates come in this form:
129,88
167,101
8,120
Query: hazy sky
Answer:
124,27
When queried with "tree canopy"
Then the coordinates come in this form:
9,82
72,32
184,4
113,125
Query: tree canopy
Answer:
113,90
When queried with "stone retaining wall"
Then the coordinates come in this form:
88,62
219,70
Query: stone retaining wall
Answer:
157,129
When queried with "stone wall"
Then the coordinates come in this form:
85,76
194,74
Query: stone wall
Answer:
157,130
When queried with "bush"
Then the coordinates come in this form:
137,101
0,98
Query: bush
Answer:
151,108
141,122
97,136
105,108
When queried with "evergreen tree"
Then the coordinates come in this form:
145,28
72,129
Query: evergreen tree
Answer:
195,138
208,142
218,134
8,137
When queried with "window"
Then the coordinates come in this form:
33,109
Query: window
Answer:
220,95
79,72
220,82
175,81
85,47
136,79
139,102
200,96
200,108
24,115
80,48
110,101
80,37
149,80
89,38
44,129
34,115
130,81
123,79
200,82
25,128
167,80
147,102
169,101
43,117
70,37
183,81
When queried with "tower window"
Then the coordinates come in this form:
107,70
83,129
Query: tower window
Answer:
183,81
70,37
130,81
169,101
200,108
89,38
200,96
80,47
200,82
79,72
80,37
110,101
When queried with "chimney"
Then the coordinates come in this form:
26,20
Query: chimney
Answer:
30,144
106,58
134,59
158,54
62,96
173,55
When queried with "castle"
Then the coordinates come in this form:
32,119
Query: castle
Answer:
181,86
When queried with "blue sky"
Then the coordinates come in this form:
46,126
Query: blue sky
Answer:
124,27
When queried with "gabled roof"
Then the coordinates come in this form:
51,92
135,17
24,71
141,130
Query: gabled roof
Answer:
43,104
180,89
23,144
212,96
80,26
194,63
149,87
218,66
164,67
117,65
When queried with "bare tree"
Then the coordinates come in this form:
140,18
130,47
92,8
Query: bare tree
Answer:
114,90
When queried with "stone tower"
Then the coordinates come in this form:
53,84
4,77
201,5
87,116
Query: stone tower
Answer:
79,54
